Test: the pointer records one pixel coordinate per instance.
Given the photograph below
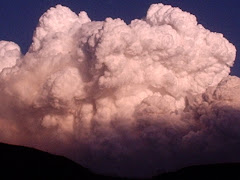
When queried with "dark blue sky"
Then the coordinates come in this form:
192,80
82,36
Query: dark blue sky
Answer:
19,18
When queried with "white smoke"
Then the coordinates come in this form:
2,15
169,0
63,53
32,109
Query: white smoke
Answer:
131,100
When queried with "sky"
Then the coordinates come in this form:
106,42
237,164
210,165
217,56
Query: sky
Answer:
18,19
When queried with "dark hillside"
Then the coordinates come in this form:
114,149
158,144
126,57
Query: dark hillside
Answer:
18,162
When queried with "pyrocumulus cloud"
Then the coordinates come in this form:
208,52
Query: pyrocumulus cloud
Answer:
127,99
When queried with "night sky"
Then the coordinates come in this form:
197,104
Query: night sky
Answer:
18,19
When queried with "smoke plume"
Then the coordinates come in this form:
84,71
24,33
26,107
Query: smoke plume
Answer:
126,99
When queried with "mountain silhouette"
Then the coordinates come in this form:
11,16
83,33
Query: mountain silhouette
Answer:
18,162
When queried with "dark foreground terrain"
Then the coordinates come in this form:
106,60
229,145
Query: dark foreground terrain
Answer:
17,162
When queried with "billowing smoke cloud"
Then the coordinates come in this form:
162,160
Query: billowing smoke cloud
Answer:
131,100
